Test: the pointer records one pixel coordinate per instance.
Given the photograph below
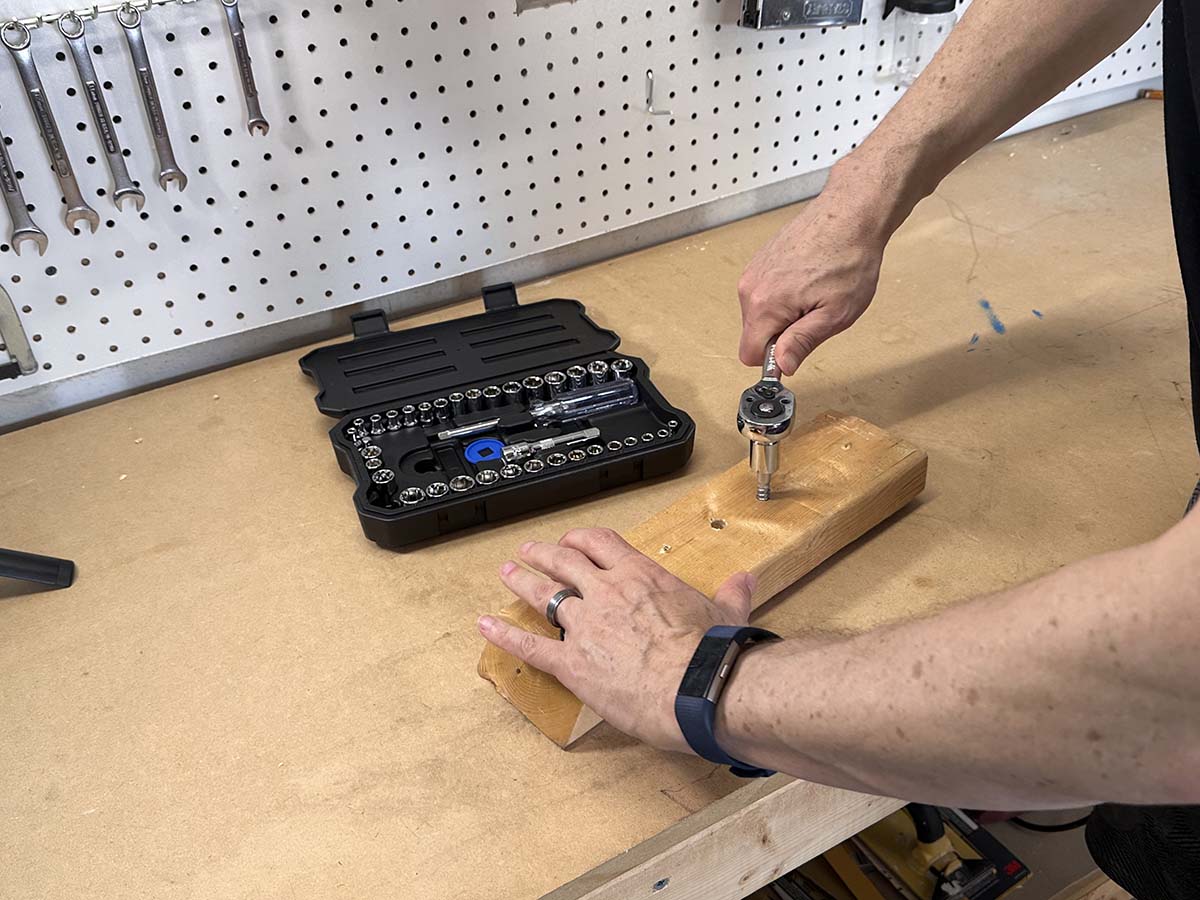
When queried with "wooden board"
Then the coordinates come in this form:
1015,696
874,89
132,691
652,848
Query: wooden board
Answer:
839,477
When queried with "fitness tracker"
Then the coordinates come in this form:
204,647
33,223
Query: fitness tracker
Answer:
701,688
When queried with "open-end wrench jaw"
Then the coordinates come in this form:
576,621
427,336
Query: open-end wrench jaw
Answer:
259,126
167,177
129,193
78,214
32,235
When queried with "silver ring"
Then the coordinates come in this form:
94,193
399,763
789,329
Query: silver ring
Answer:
556,601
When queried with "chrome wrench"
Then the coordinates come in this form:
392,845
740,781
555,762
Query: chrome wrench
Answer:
16,37
23,227
257,122
71,27
130,18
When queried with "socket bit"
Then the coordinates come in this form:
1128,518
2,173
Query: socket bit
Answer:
373,463
376,424
492,396
411,496
621,368
510,471
458,403
385,485
595,450
392,420
441,409
534,387
474,398
513,392
460,483
598,371
557,459
425,413
556,382
437,489
371,451
410,416
576,455
533,466
487,476
578,377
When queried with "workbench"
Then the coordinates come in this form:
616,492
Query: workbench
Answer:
242,697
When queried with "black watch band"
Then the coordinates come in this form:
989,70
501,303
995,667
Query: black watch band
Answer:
701,687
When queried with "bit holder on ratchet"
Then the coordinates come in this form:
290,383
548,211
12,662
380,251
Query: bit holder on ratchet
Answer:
473,420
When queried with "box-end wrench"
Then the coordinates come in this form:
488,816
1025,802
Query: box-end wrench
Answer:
23,227
17,38
71,27
256,122
130,18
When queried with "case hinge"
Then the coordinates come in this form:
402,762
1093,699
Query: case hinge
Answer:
367,324
500,296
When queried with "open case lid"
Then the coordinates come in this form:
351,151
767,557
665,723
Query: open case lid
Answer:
396,367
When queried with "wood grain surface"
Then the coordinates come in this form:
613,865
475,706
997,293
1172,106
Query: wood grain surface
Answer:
839,477
242,698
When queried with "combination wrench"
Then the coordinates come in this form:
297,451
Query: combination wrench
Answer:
71,27
17,38
23,227
257,122
130,18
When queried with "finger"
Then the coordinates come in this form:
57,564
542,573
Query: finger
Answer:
735,596
561,563
758,328
602,546
539,652
535,590
803,337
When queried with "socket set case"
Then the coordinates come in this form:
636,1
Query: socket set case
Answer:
474,420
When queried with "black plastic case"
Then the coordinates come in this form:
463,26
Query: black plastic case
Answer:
382,370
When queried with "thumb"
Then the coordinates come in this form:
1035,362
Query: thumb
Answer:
803,337
735,594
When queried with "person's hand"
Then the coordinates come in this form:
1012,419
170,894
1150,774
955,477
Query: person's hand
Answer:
812,281
629,638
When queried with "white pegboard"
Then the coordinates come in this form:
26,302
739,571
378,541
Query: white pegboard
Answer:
413,141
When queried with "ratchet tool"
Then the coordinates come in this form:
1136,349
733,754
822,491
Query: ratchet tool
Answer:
766,414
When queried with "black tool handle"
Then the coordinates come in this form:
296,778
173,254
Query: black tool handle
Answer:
57,573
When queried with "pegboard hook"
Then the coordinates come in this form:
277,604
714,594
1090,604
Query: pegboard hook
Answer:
650,96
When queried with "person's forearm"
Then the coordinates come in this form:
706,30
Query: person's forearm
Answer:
1080,687
1004,60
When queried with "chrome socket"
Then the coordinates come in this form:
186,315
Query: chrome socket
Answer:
392,420
371,451
425,413
474,398
578,377
376,424
513,392
534,387
487,476
437,489
510,471
411,496
410,416
595,450
614,446
533,466
458,403
373,463
492,396
461,483
576,455
441,409
557,459
556,382
621,368
597,371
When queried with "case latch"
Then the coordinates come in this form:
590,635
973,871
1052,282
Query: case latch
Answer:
367,324
500,296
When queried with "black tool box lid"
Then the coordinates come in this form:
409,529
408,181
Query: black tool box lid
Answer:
381,366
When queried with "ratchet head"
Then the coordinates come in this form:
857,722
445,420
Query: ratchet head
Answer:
129,193
85,213
32,234
766,414
171,176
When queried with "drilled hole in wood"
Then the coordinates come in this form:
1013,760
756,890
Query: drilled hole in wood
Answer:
717,523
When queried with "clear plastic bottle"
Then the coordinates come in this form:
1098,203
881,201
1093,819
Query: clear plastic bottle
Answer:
922,26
